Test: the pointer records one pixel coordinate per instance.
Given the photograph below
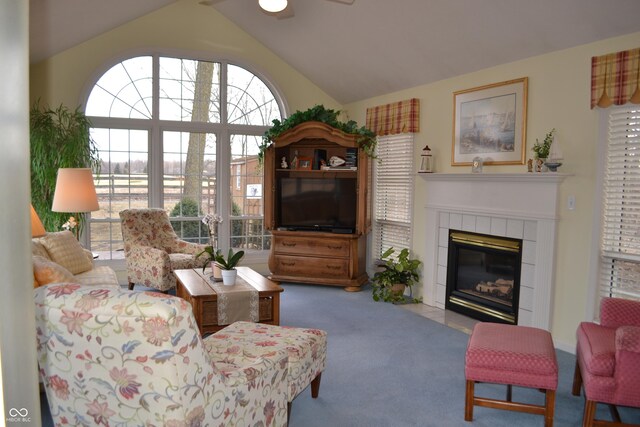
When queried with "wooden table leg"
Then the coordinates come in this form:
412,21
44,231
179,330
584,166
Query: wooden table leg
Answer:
468,401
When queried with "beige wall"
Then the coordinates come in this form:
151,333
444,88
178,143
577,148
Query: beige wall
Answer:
182,28
559,91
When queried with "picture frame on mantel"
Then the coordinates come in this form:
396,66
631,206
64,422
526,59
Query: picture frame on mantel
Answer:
490,122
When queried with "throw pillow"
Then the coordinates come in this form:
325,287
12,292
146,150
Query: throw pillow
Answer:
64,249
46,272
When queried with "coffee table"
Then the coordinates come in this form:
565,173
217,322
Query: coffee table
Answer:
192,287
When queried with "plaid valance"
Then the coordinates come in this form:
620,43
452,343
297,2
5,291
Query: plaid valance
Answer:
397,117
615,78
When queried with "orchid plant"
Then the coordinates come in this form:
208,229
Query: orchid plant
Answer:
211,221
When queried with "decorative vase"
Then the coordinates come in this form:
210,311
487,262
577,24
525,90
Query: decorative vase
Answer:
229,277
216,271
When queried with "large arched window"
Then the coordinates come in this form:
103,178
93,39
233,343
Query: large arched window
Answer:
182,135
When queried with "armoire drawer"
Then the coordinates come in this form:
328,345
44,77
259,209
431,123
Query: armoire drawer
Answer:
312,267
307,246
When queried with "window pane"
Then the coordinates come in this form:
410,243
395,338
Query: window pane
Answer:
247,225
122,184
123,91
249,100
189,90
189,182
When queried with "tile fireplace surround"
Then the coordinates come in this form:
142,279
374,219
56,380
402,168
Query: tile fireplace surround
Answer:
521,205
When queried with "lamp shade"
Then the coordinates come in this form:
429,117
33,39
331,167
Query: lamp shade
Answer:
75,191
37,229
273,5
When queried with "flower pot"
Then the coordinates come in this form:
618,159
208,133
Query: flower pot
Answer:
216,271
398,289
229,277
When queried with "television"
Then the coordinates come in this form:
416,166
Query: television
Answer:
317,204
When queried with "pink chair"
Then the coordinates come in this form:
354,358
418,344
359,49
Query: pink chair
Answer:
608,360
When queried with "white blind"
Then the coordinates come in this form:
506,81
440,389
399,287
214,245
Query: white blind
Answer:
620,249
393,204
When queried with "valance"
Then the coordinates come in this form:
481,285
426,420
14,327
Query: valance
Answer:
615,78
394,118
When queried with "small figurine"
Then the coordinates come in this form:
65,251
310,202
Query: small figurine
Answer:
294,161
283,163
530,165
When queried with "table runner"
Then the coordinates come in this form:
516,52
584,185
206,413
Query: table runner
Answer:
237,302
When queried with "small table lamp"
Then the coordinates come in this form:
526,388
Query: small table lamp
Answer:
75,192
37,229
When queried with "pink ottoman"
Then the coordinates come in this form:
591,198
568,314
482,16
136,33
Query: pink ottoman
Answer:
511,355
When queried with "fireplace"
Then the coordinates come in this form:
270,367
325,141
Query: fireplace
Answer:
483,276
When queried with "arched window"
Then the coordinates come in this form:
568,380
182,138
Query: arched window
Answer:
182,135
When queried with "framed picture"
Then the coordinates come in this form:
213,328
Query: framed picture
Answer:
490,122
304,163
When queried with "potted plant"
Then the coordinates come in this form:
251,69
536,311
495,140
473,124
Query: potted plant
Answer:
228,265
212,254
541,149
398,273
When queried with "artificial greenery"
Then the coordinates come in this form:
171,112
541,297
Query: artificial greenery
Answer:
542,148
59,138
318,113
396,270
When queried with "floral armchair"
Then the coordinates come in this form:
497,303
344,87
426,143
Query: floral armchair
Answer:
116,357
608,360
153,250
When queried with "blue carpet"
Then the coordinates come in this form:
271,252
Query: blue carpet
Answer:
389,367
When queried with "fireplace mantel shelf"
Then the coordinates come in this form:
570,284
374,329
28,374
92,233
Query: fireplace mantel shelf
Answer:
497,177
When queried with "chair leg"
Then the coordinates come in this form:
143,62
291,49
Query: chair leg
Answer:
577,380
468,401
589,413
315,386
131,285
549,407
288,411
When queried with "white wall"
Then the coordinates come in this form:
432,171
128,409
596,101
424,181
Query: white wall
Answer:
17,319
559,91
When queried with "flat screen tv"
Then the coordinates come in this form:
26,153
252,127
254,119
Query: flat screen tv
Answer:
317,204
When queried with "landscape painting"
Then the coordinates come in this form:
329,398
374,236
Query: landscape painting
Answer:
490,123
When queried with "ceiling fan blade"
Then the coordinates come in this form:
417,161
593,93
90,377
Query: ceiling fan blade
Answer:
349,2
209,2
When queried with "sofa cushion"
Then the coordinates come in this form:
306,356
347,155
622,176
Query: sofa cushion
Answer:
45,272
101,275
37,248
64,249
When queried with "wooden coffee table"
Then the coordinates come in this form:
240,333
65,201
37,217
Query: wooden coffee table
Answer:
204,300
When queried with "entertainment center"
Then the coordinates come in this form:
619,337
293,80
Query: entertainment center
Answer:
318,215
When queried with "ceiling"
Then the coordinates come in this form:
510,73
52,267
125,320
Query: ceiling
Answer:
372,47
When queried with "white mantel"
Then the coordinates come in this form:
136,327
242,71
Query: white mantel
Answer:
518,205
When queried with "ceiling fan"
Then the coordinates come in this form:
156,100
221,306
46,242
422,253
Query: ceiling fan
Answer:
281,9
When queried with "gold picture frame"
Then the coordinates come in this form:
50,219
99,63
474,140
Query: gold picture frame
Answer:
490,122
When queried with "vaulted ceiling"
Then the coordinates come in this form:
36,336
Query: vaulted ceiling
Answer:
371,47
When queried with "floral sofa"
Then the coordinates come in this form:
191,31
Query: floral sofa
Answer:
58,257
118,357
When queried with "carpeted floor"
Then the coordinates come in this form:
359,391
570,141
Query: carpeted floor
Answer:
390,367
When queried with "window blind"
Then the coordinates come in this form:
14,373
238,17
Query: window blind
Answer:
393,205
620,247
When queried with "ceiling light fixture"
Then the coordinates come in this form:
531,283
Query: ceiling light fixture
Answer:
273,6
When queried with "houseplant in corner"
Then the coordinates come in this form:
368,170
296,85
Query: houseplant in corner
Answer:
398,273
228,266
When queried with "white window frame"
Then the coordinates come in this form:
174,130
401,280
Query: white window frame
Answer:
155,126
403,162
596,264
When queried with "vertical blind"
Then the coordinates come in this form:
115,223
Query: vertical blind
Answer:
620,248
393,206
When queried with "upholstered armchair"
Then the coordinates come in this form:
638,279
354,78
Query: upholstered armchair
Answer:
608,359
118,357
153,250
